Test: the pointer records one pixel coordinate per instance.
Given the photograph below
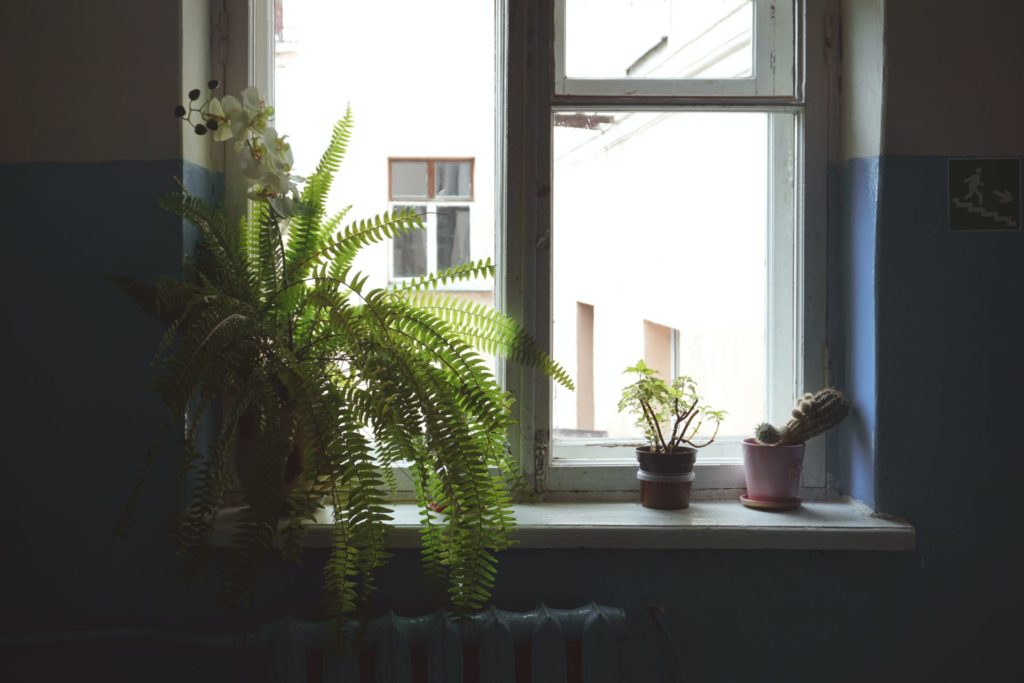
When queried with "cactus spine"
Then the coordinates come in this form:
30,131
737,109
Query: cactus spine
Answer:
813,414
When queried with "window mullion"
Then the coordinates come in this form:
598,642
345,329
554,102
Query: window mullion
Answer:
784,376
527,286
764,47
431,231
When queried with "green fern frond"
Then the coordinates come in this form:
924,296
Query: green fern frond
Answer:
339,251
319,184
461,273
489,330
307,241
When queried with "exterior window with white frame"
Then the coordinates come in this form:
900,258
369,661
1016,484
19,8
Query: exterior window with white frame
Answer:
441,192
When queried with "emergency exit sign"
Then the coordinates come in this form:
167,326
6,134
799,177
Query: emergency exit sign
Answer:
984,194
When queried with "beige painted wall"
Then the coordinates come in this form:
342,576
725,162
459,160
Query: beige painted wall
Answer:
90,81
957,92
862,28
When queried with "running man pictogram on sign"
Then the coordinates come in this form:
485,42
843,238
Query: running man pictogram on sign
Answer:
984,194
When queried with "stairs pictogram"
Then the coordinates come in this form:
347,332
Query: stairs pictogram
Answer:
981,211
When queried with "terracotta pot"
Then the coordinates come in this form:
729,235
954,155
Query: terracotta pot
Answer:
772,472
666,479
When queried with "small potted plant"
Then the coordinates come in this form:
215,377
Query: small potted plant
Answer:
773,461
671,416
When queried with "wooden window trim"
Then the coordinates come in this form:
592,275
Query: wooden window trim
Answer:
430,161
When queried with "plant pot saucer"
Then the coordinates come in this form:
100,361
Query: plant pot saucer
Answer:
772,505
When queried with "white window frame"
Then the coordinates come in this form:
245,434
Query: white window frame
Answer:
798,145
774,57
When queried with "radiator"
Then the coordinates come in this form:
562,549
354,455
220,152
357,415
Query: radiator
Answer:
544,645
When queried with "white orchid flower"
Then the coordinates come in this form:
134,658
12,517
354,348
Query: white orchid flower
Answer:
264,157
266,165
278,151
250,156
232,118
251,99
258,111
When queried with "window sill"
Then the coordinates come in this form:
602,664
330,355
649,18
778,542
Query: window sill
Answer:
714,524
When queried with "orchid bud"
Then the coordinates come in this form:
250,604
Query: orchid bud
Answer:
212,85
179,111
193,94
212,124
200,129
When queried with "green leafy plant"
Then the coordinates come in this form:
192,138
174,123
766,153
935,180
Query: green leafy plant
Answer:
670,415
813,415
334,382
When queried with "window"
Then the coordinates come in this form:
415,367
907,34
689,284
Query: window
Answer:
678,218
649,176
441,192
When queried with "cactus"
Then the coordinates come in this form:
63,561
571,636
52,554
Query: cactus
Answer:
767,434
812,415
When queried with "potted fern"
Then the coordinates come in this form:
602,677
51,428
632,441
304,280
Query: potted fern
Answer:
773,460
332,382
671,417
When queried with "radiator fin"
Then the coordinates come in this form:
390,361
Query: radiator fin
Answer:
599,659
393,657
288,653
548,648
444,652
497,650
340,668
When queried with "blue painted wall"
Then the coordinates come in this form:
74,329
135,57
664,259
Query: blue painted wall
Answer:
943,325
950,369
851,326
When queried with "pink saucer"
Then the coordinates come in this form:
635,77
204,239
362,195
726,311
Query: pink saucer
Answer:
776,505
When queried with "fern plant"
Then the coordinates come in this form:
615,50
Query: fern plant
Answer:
336,382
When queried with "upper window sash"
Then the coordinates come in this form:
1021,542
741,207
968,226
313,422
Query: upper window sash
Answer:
773,54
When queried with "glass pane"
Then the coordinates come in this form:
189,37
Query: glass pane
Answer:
452,179
659,38
452,236
660,252
408,179
409,254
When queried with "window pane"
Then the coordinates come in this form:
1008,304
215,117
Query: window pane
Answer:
452,236
659,38
452,179
410,254
661,230
408,179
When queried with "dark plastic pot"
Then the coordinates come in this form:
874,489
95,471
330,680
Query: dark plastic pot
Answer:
666,479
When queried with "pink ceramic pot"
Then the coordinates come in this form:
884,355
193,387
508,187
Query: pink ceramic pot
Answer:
773,472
